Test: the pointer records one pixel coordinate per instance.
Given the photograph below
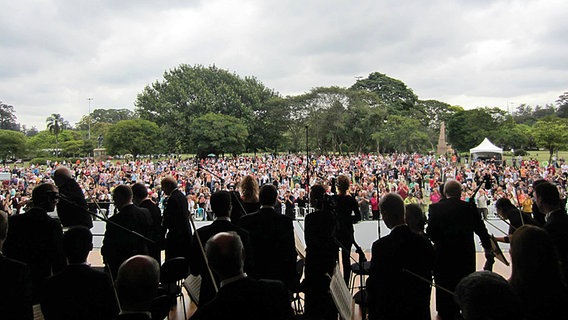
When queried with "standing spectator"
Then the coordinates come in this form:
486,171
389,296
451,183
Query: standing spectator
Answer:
35,238
482,201
375,205
289,204
363,204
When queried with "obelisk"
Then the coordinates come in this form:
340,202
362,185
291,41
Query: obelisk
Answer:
442,146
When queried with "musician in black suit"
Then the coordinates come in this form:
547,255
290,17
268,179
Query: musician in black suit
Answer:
322,253
119,244
35,238
156,232
548,201
221,206
347,214
451,225
272,240
136,286
78,292
241,296
176,220
16,291
393,292
72,209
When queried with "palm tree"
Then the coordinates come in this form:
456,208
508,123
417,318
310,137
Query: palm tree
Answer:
55,124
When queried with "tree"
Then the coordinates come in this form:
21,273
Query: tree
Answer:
394,93
12,143
218,133
551,133
467,128
403,134
135,137
562,104
187,93
109,116
8,118
55,124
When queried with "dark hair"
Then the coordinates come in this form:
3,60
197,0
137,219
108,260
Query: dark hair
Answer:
221,203
42,192
415,218
534,259
317,193
139,191
342,184
267,195
547,193
505,206
77,243
487,295
122,193
392,209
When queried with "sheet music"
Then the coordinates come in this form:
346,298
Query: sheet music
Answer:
192,285
300,248
341,295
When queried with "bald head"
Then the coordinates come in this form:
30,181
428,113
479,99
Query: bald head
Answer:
225,254
452,189
169,184
392,209
61,174
137,282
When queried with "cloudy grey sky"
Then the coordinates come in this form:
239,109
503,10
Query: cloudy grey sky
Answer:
56,54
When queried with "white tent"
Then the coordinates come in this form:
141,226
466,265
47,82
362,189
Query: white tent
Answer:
486,150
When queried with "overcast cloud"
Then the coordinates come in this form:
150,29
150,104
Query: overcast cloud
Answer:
56,54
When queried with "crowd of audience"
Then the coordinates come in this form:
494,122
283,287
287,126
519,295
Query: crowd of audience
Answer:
250,246
415,177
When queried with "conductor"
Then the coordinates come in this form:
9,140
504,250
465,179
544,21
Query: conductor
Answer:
451,225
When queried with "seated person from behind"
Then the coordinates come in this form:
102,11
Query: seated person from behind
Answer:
240,296
136,286
78,292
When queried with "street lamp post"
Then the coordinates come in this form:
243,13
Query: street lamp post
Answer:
89,118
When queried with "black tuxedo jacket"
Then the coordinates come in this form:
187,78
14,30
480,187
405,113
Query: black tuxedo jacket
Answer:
197,263
273,246
119,244
176,221
249,299
393,293
451,225
79,292
36,239
16,290
557,227
156,231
